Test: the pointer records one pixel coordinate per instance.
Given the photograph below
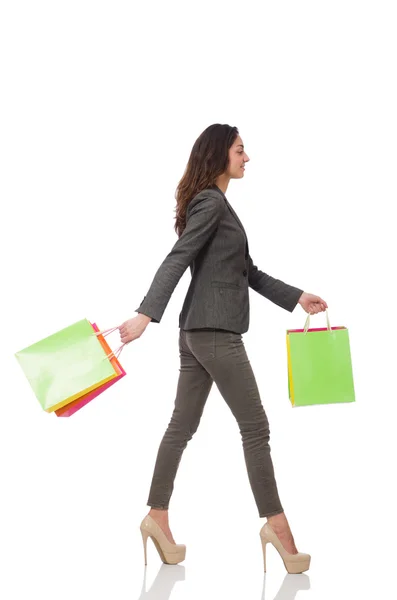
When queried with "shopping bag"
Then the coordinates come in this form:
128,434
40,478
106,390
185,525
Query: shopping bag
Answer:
65,365
69,409
319,365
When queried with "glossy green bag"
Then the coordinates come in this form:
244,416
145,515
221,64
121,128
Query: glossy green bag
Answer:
66,365
319,365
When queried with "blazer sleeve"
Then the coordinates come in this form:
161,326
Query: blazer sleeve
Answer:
202,219
275,290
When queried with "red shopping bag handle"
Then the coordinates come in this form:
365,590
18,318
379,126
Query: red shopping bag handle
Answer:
106,332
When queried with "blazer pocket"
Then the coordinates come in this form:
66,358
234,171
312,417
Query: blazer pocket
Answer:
226,284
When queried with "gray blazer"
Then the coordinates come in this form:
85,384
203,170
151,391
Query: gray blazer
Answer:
215,246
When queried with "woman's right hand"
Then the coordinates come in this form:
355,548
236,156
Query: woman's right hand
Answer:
133,328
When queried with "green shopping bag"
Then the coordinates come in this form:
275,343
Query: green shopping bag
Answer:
66,365
319,365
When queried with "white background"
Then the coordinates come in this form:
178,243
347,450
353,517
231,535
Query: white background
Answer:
101,103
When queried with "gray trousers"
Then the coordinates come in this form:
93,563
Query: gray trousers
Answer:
208,355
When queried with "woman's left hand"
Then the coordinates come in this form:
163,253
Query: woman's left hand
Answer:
312,304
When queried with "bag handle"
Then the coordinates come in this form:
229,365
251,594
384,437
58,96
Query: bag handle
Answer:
116,351
106,332
307,323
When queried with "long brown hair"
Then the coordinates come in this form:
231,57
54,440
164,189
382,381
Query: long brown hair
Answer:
208,159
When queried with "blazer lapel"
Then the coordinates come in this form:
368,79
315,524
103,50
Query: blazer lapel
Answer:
235,216
233,213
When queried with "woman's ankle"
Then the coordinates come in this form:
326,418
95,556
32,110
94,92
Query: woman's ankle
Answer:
159,512
278,521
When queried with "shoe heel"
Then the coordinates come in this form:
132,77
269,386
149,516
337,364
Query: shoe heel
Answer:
145,535
264,542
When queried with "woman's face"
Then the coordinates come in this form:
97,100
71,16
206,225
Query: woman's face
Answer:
237,159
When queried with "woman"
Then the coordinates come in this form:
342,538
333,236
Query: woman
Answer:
215,314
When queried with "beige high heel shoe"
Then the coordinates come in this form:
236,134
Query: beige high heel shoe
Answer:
170,554
294,563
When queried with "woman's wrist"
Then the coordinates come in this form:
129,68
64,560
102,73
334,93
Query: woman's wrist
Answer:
144,318
301,297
